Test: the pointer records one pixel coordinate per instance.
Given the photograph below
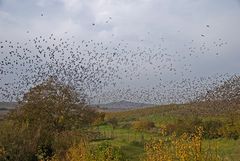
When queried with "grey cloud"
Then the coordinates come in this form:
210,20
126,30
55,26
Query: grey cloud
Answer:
176,21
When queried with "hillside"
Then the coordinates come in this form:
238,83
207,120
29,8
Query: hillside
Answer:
124,105
176,110
7,105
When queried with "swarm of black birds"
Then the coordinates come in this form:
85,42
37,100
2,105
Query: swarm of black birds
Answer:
101,69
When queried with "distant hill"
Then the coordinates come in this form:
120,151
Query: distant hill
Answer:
7,105
124,105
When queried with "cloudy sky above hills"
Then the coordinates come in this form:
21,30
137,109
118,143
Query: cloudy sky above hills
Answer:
138,22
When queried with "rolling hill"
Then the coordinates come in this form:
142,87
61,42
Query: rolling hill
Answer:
123,105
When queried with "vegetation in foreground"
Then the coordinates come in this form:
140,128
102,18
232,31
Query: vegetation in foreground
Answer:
53,123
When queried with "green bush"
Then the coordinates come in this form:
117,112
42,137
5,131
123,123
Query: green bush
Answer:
183,126
212,129
113,122
142,125
106,152
18,143
231,132
171,128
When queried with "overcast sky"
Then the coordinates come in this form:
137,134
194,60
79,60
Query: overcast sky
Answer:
131,20
177,21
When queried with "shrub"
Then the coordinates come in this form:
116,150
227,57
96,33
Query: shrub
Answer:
3,155
79,152
106,152
184,148
183,126
231,132
113,122
142,125
212,129
84,152
99,120
14,141
44,152
170,129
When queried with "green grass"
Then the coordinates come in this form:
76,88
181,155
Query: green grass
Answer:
123,134
228,148
133,152
128,140
131,142
236,152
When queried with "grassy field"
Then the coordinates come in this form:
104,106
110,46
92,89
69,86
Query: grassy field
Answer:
131,141
131,144
130,135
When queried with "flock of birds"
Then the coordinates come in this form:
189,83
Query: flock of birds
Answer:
108,71
181,91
